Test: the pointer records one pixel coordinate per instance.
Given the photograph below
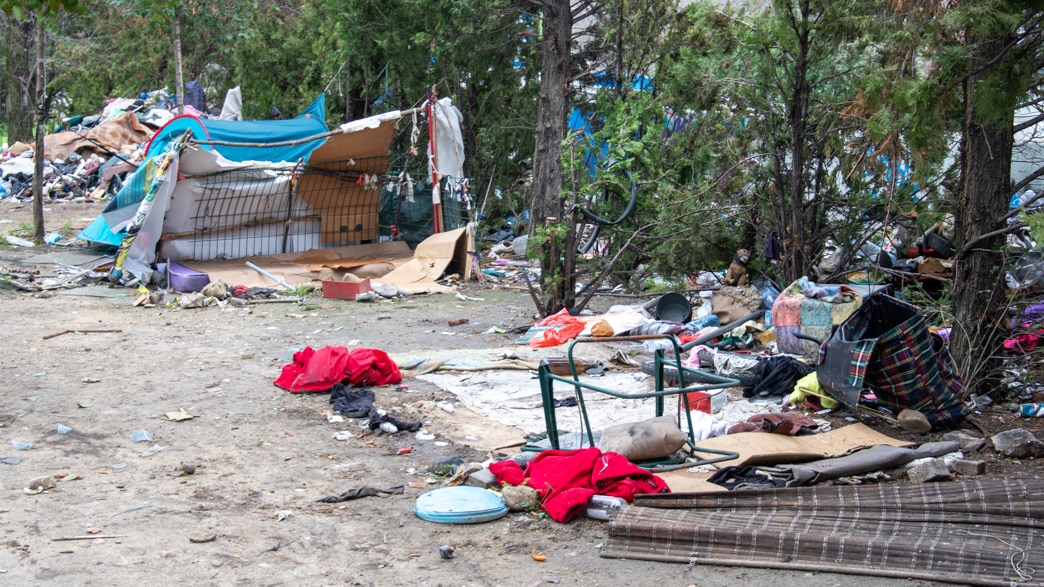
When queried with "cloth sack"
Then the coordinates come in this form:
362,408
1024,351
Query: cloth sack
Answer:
655,438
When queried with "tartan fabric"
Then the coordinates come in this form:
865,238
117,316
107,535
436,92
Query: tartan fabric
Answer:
980,532
886,347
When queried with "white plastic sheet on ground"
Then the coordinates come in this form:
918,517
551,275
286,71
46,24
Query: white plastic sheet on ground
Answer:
513,398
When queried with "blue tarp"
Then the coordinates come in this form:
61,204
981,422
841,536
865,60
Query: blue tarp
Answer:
311,122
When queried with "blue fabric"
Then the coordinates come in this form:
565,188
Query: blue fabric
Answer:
311,122
132,192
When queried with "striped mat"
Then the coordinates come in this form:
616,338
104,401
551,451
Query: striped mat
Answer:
987,532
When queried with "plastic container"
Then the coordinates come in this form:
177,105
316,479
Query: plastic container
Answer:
604,507
1031,411
653,345
461,504
346,290
704,322
185,280
708,402
674,307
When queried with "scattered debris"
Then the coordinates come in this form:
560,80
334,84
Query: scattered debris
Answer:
362,492
184,470
41,484
178,416
81,331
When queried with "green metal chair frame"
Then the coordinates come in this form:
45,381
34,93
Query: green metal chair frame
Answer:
547,379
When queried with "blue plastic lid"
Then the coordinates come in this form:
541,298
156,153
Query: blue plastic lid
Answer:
460,505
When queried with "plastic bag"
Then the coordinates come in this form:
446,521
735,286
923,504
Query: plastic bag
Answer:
563,328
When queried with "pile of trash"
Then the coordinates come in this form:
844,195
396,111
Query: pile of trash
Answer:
88,157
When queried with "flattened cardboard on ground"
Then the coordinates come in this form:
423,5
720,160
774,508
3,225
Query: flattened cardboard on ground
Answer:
760,448
685,482
415,272
303,267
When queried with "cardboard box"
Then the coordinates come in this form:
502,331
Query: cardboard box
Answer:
345,290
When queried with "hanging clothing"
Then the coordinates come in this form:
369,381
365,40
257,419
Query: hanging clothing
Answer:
195,96
773,248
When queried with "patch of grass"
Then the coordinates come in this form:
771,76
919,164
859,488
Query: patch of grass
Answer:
659,285
24,230
302,291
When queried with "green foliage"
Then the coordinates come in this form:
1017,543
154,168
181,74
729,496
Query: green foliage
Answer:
1035,222
19,9
368,57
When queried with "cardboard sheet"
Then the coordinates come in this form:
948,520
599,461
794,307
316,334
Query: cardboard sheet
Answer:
303,267
760,448
416,273
435,255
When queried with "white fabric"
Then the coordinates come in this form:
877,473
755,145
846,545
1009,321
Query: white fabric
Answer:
17,165
449,140
142,252
370,122
232,109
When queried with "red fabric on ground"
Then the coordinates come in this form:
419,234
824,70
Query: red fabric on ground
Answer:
615,475
319,370
508,473
554,471
566,479
567,504
564,327
314,370
372,367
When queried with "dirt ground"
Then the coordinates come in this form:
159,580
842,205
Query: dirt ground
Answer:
126,513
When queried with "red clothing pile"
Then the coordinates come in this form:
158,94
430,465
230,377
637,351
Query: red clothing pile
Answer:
319,370
566,479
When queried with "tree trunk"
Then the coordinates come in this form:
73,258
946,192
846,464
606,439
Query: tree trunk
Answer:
552,112
43,105
982,201
794,230
552,120
18,79
179,76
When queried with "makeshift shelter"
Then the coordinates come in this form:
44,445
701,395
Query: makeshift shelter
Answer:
238,189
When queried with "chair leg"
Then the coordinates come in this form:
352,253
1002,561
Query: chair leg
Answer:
547,397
